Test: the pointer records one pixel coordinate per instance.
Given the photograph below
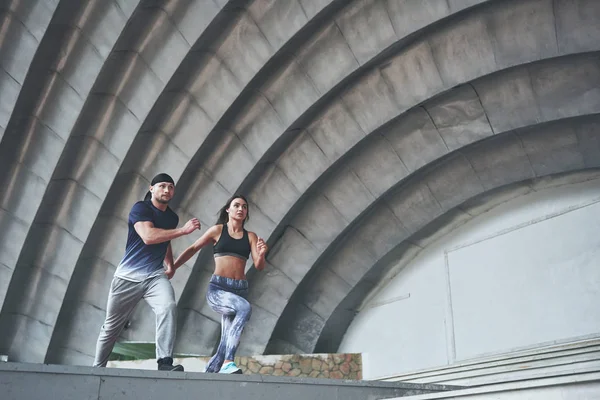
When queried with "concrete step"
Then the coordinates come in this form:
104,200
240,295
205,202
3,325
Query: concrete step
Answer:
577,386
580,357
37,381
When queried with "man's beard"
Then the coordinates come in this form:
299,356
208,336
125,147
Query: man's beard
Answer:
161,201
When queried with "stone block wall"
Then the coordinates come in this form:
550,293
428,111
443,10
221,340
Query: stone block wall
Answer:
331,366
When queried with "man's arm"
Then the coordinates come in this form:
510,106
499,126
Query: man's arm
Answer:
152,235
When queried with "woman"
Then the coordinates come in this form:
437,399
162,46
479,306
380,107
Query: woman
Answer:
228,286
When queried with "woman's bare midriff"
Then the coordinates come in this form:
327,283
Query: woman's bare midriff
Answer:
230,267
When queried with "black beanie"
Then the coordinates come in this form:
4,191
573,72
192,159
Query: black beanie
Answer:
159,178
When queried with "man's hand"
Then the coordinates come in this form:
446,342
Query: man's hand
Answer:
261,247
169,272
191,226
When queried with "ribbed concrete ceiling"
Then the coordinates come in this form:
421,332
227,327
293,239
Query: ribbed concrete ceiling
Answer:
352,126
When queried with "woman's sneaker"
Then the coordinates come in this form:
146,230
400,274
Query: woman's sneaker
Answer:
230,368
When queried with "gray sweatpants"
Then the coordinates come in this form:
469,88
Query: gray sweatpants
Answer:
124,295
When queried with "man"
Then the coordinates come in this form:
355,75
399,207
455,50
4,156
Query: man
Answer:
141,275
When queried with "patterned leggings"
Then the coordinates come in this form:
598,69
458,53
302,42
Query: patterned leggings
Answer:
226,296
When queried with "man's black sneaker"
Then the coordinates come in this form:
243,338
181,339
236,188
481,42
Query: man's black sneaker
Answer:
167,367
166,364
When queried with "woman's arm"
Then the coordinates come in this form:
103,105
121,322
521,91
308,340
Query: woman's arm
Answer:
258,249
208,237
169,257
169,271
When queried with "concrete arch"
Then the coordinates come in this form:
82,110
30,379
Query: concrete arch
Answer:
391,153
327,300
302,252
392,263
131,176
298,103
252,136
289,87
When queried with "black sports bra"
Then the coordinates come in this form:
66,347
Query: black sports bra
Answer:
228,246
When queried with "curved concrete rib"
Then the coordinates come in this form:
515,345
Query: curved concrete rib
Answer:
518,156
411,77
385,268
22,26
252,135
417,137
429,66
284,98
52,96
462,116
370,109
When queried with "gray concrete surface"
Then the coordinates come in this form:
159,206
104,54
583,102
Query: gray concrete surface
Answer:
29,381
568,386
545,362
350,125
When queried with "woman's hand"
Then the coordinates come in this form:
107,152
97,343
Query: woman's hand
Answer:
261,247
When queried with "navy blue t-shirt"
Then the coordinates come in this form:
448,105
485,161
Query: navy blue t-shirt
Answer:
143,261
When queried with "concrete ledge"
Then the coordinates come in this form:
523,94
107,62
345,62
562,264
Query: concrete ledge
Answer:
574,386
35,381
